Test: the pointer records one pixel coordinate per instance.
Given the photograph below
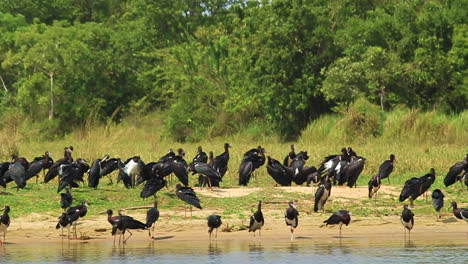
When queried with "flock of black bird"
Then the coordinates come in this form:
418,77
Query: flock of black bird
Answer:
343,168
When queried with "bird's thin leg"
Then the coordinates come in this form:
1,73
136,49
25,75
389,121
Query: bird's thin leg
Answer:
62,231
216,234
68,233
388,179
340,229
292,233
125,241
190,210
185,210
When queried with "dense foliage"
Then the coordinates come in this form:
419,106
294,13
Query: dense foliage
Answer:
214,67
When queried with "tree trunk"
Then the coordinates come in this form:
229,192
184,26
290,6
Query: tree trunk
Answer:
51,111
382,92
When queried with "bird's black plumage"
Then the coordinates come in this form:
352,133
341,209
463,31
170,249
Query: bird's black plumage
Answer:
256,220
291,217
374,185
340,217
152,215
94,173
71,173
454,172
152,186
353,170
438,200
386,167
188,195
129,170
4,222
322,194
427,180
54,169
17,173
278,172
66,199
181,168
214,222
39,163
221,161
411,189
201,156
407,218
290,157
125,224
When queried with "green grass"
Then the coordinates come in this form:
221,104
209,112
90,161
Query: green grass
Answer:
416,152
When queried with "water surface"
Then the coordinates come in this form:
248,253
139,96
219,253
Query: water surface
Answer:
302,250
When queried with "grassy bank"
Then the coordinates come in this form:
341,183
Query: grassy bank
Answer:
420,141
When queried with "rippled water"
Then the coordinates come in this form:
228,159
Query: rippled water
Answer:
305,250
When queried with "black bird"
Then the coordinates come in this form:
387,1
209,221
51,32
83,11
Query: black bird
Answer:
301,172
66,199
331,162
374,186
189,196
4,222
201,156
71,217
94,173
291,216
168,157
426,181
54,169
458,211
152,215
339,217
407,219
253,159
437,201
353,170
108,166
454,172
3,169
214,222
256,220
220,162
129,170
71,173
278,172
322,194
386,168
125,224
151,170
39,163
16,172
113,220
210,173
152,186
180,167
290,157
411,189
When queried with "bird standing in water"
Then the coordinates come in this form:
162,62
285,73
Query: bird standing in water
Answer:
407,219
339,217
256,220
4,222
214,222
151,217
291,217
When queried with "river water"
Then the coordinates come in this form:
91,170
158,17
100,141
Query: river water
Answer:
302,250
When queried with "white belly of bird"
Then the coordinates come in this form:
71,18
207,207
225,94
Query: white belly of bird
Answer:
3,227
328,164
256,226
408,225
132,168
292,222
374,190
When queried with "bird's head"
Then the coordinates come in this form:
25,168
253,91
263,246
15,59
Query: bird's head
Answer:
6,209
226,146
199,149
453,205
109,212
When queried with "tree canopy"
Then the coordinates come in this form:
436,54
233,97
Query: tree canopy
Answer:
213,67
